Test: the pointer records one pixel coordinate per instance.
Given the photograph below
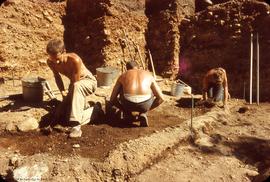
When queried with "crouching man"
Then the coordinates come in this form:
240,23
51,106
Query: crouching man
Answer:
82,84
138,92
215,86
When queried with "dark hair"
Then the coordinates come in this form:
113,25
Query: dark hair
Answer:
131,65
55,46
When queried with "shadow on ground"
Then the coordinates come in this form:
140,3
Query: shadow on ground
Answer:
250,150
253,151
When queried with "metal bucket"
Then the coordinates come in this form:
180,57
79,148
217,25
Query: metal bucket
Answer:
106,76
32,89
177,89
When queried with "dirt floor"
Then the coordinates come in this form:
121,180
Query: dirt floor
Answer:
239,151
98,138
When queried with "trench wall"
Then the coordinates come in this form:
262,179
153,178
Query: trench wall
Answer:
106,32
220,36
163,33
110,32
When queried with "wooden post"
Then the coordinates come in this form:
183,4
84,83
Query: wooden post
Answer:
152,64
140,56
251,68
191,114
258,70
244,92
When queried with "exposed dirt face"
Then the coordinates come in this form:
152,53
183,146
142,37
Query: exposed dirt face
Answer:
25,29
111,30
163,33
220,37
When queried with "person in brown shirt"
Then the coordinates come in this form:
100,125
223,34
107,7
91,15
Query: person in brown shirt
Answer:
138,92
215,85
82,82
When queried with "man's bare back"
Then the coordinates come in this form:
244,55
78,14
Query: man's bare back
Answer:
139,84
136,82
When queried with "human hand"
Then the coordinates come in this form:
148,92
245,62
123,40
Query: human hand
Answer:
64,93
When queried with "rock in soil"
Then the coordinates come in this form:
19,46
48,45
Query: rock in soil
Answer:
11,127
30,173
28,124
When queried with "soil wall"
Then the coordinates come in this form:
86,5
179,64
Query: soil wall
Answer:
163,34
220,37
106,32
25,29
125,28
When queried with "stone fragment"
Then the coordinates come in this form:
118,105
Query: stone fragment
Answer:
30,173
208,2
14,161
11,127
221,22
76,146
49,18
204,142
252,173
107,32
28,124
42,62
210,13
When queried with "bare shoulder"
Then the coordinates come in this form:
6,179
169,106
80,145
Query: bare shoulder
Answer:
74,57
121,78
209,72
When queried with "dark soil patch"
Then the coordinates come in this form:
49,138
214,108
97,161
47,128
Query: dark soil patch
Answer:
96,141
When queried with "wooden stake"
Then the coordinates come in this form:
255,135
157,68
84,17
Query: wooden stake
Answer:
123,61
12,72
152,64
191,116
140,56
251,68
258,70
244,92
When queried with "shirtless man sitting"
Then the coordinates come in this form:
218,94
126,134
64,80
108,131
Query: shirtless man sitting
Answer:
138,92
215,85
82,83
